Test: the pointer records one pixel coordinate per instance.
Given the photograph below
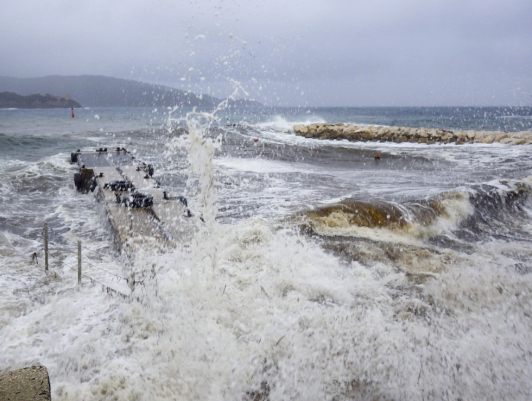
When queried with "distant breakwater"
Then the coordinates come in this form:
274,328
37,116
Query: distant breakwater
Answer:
353,132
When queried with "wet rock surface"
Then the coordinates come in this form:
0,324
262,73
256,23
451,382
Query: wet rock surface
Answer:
28,384
353,132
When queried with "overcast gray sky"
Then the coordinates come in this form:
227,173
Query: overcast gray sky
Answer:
306,53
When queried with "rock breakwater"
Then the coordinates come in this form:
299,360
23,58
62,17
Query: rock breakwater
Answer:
353,132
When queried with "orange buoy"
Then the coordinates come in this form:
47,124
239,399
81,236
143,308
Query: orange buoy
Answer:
377,155
256,140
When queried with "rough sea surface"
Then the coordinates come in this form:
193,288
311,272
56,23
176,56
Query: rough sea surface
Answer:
320,273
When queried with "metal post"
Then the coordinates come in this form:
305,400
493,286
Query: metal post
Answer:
45,247
79,262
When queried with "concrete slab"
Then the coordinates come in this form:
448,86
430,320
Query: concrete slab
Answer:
28,384
166,224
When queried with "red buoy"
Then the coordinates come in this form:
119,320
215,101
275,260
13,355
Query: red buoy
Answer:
377,156
72,109
256,140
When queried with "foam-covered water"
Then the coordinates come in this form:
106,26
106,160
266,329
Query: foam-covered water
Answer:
320,273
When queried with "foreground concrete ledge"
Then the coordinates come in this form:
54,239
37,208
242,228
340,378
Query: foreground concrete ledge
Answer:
25,384
353,132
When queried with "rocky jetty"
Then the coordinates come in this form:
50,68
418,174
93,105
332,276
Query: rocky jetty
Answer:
353,132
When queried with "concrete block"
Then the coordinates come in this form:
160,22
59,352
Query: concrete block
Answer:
28,384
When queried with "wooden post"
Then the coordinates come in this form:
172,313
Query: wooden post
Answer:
79,262
45,247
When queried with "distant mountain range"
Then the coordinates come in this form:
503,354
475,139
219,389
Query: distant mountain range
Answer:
12,100
101,91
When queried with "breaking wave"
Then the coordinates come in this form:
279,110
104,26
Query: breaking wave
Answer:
468,213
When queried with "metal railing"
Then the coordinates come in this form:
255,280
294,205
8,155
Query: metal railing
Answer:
80,272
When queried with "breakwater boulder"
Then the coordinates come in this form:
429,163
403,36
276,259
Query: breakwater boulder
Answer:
353,132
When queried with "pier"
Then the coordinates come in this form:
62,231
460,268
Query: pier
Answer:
140,212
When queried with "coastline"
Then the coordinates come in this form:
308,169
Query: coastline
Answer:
10,100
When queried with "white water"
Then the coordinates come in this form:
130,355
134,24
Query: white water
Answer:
278,309
258,308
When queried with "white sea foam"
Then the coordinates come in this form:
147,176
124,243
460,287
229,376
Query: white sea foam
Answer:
277,314
266,166
279,310
281,124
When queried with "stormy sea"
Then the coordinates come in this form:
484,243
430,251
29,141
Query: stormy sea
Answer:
327,274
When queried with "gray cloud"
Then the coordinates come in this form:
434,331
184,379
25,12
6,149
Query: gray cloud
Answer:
352,53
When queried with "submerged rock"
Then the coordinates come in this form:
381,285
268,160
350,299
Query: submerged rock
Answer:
364,133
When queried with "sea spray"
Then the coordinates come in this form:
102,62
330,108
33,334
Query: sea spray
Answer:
280,319
200,152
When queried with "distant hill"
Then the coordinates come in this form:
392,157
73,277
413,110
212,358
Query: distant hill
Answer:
35,101
101,91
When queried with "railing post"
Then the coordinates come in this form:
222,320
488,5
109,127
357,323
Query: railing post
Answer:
45,247
79,262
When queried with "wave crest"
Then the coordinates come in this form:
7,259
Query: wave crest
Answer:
388,220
